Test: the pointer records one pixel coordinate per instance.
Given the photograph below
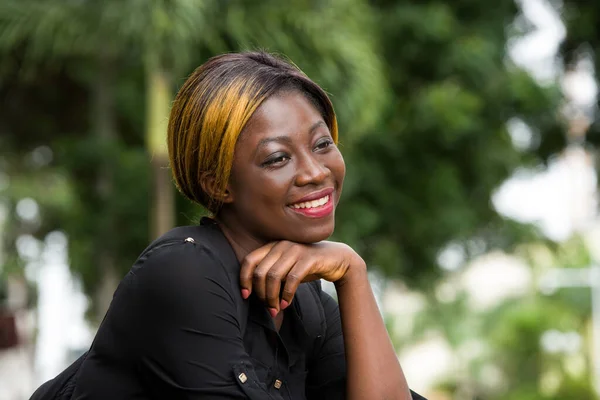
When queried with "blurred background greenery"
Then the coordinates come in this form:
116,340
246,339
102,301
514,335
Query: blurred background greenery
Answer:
427,97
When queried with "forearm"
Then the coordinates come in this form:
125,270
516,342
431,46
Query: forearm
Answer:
373,370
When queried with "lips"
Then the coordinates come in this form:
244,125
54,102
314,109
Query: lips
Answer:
312,203
316,205
314,196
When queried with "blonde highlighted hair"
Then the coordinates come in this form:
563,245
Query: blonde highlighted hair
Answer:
214,105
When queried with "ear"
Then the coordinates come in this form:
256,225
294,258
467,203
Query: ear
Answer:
208,184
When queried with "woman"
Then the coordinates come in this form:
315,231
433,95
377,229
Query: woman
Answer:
253,140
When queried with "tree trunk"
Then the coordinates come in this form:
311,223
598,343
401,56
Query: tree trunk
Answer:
162,208
104,125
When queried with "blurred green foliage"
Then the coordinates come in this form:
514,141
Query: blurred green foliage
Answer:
426,172
423,92
583,39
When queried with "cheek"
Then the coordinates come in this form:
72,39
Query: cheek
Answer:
338,167
259,187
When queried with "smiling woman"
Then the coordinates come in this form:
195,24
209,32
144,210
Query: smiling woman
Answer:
213,107
289,172
233,308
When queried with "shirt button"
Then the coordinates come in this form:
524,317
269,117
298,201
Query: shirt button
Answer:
277,383
190,240
242,377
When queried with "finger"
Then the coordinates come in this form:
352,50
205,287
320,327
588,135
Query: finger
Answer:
275,276
259,276
249,263
299,272
263,266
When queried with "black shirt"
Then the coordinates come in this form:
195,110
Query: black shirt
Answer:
173,332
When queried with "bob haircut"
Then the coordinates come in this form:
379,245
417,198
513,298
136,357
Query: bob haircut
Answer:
214,105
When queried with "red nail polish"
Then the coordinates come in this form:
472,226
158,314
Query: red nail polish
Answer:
284,304
273,312
245,293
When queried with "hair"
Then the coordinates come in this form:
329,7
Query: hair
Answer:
214,105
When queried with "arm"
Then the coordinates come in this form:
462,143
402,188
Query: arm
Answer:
187,337
327,372
373,370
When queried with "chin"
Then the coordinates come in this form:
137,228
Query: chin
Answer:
312,234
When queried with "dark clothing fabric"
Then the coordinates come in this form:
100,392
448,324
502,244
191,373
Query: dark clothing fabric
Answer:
173,331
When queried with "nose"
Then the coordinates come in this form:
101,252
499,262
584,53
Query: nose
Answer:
311,171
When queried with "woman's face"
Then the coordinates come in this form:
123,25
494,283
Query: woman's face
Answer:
287,173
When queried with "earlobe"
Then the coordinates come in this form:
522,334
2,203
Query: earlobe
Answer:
227,196
208,184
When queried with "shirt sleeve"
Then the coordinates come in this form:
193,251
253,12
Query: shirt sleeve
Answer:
327,370
189,342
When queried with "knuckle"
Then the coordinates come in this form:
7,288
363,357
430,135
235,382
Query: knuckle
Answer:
296,251
258,275
294,277
250,259
246,264
272,276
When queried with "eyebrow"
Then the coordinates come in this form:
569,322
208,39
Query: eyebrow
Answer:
287,139
280,139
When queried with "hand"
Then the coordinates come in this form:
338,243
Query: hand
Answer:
264,270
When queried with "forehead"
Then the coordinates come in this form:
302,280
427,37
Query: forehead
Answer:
287,114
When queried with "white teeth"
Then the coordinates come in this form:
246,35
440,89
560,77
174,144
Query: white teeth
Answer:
313,203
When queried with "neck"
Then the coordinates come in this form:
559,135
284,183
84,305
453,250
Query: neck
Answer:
241,240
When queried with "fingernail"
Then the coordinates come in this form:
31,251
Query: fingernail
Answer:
284,304
245,293
273,312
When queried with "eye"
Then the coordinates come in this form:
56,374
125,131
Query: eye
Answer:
276,160
323,144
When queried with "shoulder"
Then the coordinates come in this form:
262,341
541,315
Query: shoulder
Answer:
203,236
205,240
186,257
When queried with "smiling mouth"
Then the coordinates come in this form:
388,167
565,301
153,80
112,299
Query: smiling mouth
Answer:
318,208
312,204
